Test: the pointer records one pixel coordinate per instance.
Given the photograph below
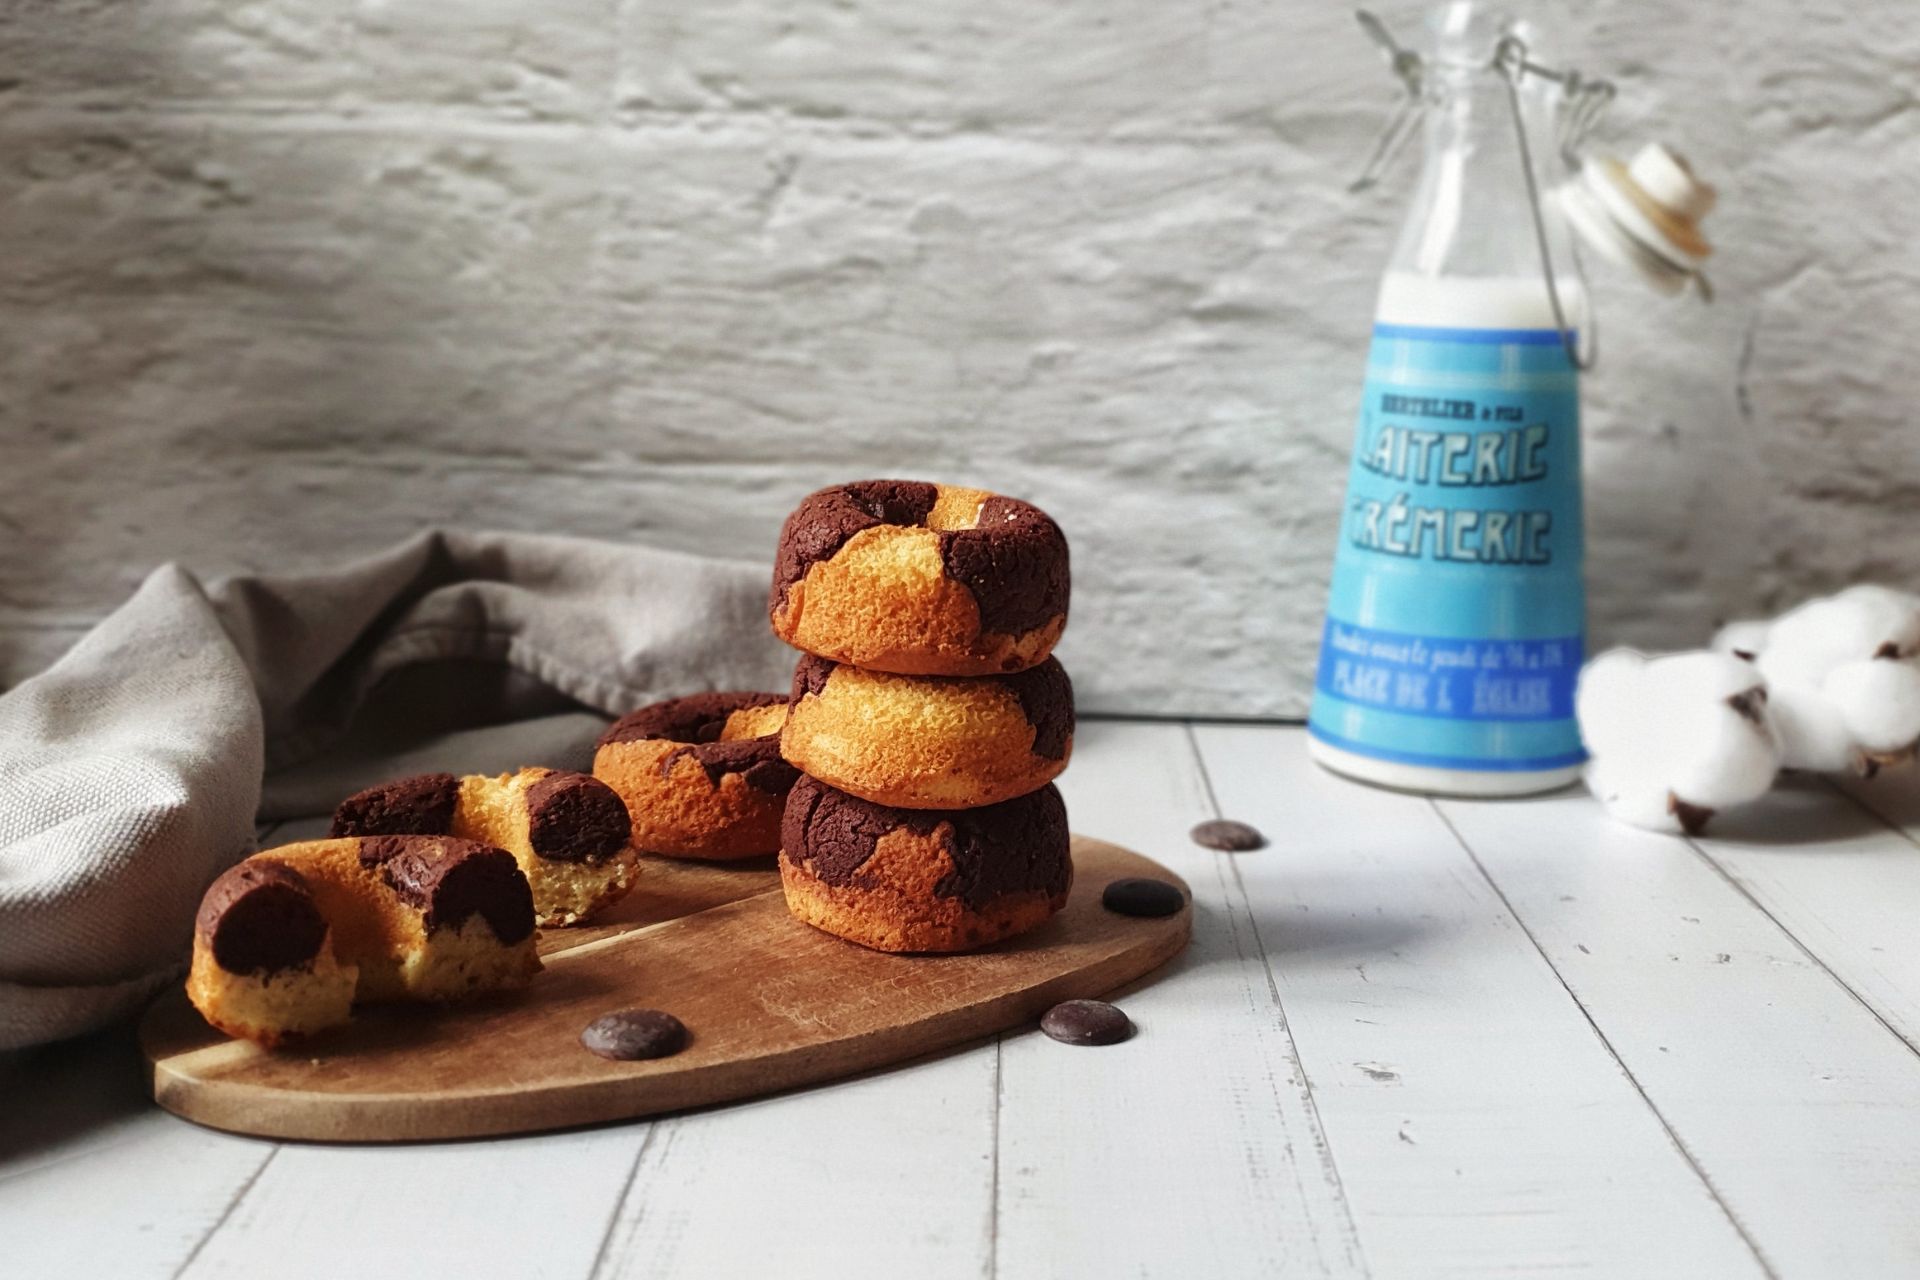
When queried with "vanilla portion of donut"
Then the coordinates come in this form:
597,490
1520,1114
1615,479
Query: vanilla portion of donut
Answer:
494,811
461,961
268,1007
754,722
956,508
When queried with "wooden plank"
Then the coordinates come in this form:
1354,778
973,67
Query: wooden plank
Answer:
1835,862
1893,794
94,1180
890,1175
536,1208
1794,1100
1479,1123
770,1004
1192,1149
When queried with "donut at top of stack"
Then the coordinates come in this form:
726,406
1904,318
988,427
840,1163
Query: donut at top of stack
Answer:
914,578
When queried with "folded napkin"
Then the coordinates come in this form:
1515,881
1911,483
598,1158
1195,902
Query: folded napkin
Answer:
134,770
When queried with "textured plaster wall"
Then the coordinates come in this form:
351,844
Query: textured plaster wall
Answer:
282,281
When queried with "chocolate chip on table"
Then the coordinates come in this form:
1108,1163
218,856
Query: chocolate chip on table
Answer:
1140,896
632,1034
1227,836
1086,1022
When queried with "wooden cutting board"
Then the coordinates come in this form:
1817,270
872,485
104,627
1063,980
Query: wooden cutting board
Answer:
770,1004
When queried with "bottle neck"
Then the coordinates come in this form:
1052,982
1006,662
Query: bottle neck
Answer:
1471,215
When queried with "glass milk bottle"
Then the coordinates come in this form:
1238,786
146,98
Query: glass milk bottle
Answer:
1456,615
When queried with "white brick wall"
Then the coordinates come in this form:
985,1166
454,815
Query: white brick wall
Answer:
282,281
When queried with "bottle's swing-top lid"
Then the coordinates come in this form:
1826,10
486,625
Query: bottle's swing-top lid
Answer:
1644,215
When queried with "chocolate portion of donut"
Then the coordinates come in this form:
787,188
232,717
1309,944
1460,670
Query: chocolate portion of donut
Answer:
572,817
450,881
698,720
1014,561
1013,847
826,521
259,917
811,675
698,717
1046,696
756,760
418,806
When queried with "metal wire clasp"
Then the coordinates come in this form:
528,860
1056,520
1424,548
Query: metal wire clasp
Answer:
1411,70
1510,60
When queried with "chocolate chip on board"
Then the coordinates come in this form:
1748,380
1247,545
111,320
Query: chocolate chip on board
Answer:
1086,1022
629,1035
1227,836
1140,896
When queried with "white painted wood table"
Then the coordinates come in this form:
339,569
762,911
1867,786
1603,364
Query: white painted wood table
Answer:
1410,1039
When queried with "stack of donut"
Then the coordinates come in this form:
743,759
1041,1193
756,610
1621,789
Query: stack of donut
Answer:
927,719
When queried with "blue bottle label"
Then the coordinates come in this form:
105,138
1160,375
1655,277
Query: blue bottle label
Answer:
1456,619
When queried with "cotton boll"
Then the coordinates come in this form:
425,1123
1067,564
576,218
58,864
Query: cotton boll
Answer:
1893,611
1808,642
1605,700
1633,796
1878,700
1812,733
1675,738
1748,635
1722,749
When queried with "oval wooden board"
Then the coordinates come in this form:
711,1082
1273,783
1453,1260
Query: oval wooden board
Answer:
771,1004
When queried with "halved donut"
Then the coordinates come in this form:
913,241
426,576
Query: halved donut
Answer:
924,880
924,742
701,775
569,832
287,941
920,579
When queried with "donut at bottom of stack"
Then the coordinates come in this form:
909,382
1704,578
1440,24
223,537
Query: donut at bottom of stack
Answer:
569,832
288,940
923,880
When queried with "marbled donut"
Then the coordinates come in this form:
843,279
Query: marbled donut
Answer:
920,579
923,880
569,832
289,940
701,775
926,742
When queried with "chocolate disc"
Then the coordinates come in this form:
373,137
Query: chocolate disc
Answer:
1227,836
1086,1022
1139,896
629,1035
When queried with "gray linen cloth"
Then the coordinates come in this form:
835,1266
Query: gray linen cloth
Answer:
134,770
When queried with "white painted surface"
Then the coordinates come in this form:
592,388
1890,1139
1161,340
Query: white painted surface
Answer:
282,281
902,1159
1409,1040
1478,1122
1769,1072
1253,1186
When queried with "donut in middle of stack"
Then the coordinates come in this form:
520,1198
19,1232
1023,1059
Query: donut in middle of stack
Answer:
928,717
